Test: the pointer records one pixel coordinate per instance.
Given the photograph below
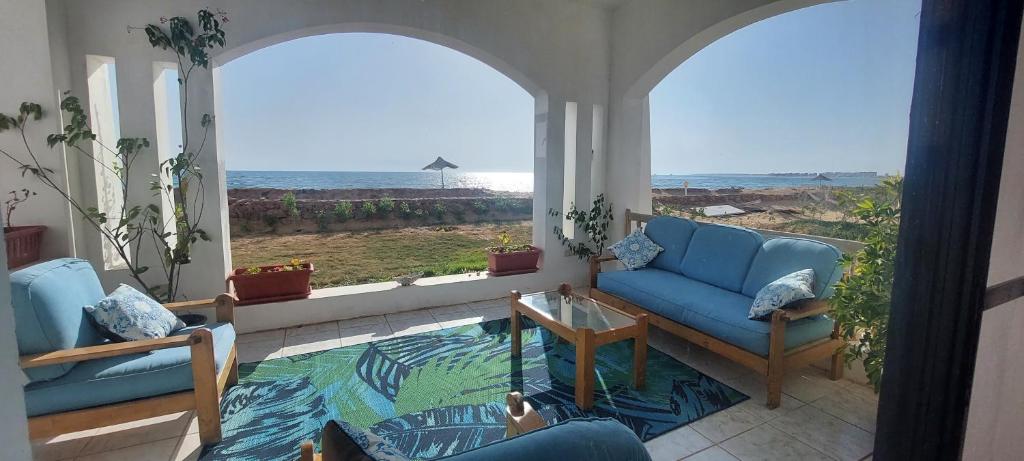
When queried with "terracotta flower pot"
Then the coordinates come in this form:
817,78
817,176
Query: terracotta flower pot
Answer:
515,262
271,284
23,244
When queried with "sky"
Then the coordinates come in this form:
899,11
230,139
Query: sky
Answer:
371,102
825,88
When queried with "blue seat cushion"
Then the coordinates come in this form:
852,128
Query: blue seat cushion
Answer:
783,256
593,439
127,377
707,308
672,234
721,255
48,299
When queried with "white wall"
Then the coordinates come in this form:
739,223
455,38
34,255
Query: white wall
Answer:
27,76
996,418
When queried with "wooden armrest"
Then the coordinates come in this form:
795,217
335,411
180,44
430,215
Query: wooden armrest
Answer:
224,304
603,258
79,354
804,309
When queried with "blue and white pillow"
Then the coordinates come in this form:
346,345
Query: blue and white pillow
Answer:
132,315
788,288
636,250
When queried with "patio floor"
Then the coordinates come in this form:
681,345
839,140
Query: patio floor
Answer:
818,419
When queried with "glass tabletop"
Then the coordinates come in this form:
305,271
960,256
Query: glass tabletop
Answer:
575,311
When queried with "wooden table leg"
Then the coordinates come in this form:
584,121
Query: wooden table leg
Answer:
517,334
585,368
640,352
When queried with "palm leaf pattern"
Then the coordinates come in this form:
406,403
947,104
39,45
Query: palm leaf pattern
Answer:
440,393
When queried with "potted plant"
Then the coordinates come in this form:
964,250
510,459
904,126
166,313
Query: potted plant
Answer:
23,242
264,284
509,259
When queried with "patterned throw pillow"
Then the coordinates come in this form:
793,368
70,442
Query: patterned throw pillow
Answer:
133,316
788,288
636,250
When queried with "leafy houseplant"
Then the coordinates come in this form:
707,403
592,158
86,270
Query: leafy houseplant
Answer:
862,300
127,227
593,223
508,259
23,242
264,284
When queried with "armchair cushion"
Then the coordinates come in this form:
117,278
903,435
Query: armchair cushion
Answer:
132,315
48,299
785,255
673,234
128,377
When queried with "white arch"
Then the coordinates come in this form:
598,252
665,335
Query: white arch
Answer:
495,63
643,85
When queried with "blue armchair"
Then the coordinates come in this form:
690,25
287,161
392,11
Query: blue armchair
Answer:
79,380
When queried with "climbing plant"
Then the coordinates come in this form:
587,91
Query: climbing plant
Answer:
132,226
594,224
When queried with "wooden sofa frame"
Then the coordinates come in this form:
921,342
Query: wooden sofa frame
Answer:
779,360
204,398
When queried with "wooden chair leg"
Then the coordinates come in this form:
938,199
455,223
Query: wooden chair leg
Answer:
520,417
233,371
776,359
835,371
204,378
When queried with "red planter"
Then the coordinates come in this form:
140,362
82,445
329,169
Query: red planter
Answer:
23,244
270,286
518,262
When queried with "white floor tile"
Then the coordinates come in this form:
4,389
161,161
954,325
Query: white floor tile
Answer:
855,404
155,451
714,453
458,319
765,443
726,424
64,446
188,449
361,321
259,351
364,334
314,329
259,336
676,444
137,432
826,433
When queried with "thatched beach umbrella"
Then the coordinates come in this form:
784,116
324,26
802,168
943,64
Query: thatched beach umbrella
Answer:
440,164
821,179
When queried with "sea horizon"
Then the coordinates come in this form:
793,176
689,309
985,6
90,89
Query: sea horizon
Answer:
523,181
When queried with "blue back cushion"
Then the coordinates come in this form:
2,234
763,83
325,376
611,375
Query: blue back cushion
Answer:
721,255
783,256
48,315
673,234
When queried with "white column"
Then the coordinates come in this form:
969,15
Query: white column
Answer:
628,163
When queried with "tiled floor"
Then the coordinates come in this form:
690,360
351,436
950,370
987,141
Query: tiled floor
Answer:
818,419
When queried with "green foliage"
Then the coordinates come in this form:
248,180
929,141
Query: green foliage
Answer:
848,230
480,207
439,210
862,301
594,225
404,211
12,203
271,221
323,221
386,205
459,214
368,209
130,227
290,204
343,211
504,204
695,213
505,245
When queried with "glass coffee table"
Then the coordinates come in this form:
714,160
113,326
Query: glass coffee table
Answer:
585,323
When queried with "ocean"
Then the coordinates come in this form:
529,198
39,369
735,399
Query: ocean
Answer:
511,182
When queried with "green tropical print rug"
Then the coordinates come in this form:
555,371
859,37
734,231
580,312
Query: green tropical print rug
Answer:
443,392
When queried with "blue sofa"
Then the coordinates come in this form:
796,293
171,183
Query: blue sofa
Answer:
80,380
702,285
592,439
